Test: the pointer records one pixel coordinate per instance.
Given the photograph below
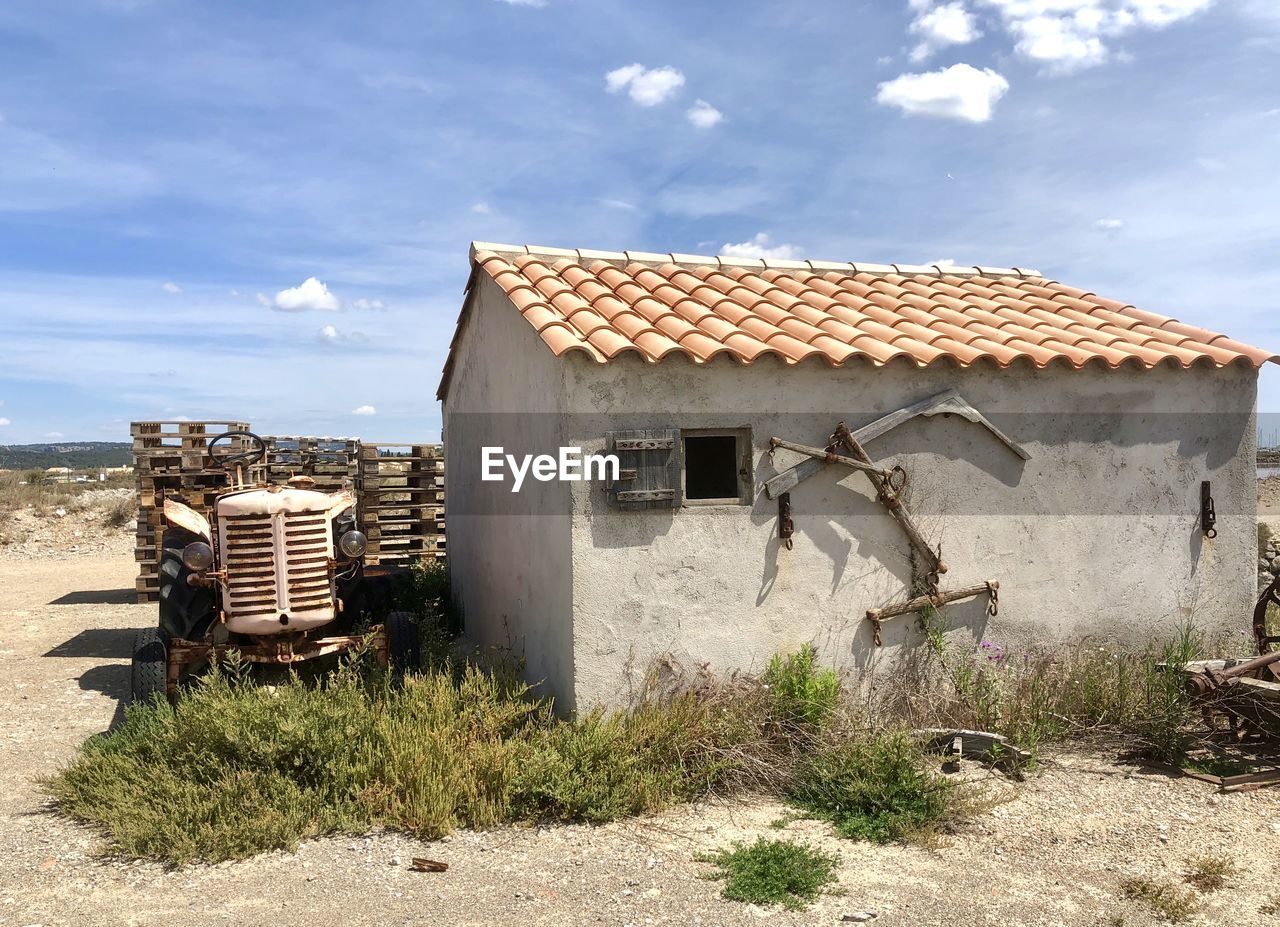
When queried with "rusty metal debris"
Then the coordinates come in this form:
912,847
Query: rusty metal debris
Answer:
419,864
1270,596
1207,676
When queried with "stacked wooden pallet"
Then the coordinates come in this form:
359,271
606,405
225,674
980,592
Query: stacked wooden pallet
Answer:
332,462
170,461
401,491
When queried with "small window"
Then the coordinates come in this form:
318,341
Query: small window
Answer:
717,466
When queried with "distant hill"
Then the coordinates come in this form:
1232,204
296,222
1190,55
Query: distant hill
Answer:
78,455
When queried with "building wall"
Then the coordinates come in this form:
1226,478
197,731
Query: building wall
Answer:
1095,537
509,552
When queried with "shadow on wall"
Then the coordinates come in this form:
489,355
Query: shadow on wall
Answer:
639,528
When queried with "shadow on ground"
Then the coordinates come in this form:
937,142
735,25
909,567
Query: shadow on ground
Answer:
115,643
111,679
97,597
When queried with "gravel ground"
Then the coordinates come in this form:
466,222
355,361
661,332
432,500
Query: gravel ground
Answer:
1269,502
1052,851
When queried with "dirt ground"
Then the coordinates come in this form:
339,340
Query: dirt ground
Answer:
1053,853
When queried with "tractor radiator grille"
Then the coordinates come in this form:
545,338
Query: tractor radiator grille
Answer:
277,564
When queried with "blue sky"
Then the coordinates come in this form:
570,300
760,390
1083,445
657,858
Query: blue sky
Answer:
174,173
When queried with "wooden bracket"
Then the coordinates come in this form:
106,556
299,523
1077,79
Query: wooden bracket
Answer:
945,403
936,600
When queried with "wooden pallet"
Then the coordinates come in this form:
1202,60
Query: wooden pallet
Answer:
401,491
331,462
171,461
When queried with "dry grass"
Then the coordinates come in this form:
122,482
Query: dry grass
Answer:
1210,873
120,512
30,491
1167,901
1086,694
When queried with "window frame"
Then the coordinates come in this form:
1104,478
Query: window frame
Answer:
745,472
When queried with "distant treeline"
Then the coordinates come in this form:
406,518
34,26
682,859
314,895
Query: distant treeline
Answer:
78,455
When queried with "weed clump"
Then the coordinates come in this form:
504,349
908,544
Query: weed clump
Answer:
1210,873
1167,901
802,693
773,872
878,788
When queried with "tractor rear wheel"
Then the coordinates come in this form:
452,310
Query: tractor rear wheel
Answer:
150,664
403,641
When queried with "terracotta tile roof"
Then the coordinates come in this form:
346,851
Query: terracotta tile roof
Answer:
606,304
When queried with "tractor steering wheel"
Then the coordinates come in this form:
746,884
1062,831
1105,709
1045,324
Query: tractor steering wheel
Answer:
232,458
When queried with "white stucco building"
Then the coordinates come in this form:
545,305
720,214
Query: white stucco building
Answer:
1089,515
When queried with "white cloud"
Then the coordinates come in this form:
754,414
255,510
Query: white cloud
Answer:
645,86
5,421
1069,35
1211,164
330,334
364,410
308,295
1108,224
54,434
369,304
959,92
171,287
759,247
481,209
943,25
615,204
524,2
703,115
942,262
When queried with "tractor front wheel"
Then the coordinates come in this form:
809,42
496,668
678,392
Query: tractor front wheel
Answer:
403,644
150,664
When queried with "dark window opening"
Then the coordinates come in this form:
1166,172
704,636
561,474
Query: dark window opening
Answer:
711,467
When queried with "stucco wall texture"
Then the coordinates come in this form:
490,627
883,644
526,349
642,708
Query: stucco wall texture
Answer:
1096,536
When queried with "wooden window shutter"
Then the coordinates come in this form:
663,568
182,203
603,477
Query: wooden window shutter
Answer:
648,469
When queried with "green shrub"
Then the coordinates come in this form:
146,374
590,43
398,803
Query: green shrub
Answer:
605,765
774,872
1264,535
426,595
802,693
236,769
879,788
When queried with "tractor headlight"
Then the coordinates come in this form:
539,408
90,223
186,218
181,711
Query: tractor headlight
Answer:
352,544
197,556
